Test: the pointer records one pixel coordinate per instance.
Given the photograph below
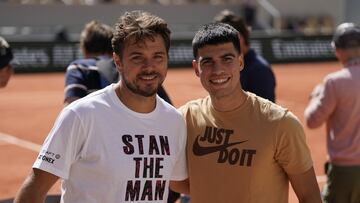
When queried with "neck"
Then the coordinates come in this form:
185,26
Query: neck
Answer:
135,102
230,102
352,62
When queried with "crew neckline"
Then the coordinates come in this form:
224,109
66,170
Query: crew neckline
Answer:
120,105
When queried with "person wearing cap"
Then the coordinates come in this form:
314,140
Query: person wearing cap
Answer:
336,102
6,56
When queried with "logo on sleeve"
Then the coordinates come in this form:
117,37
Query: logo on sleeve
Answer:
228,153
48,156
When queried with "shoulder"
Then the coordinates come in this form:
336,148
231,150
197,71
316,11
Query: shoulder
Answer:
258,61
87,64
168,109
90,101
337,75
193,106
267,109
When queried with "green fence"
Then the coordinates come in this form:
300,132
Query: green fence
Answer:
52,56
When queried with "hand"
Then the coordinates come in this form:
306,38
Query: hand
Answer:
317,91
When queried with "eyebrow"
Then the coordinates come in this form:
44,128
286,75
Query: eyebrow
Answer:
139,53
160,52
228,54
222,56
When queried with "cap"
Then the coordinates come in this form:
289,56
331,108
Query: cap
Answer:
6,55
347,35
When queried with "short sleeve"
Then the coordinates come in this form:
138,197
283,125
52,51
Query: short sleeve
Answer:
291,150
62,146
180,167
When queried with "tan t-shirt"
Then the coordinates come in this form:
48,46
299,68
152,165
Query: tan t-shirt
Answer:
243,155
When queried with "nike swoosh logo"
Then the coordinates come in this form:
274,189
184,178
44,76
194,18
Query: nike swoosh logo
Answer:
200,150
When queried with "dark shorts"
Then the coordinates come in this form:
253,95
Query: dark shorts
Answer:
343,184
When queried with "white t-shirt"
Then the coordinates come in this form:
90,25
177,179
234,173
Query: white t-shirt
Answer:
105,152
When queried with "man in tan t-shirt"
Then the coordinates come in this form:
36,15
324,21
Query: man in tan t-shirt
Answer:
240,147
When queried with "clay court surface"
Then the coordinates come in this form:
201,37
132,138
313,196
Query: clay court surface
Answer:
31,102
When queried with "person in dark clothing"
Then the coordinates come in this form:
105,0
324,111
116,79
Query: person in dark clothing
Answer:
257,76
6,60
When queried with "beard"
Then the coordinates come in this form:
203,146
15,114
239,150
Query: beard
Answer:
148,91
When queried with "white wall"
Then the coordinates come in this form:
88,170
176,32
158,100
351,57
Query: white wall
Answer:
335,8
352,11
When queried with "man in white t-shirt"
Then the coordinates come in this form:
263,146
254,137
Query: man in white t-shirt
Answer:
122,143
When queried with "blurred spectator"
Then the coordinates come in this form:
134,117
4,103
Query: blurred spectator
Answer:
326,24
61,34
336,102
82,75
249,11
311,26
257,76
6,57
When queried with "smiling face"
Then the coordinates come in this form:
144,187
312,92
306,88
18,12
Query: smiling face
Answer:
143,65
218,67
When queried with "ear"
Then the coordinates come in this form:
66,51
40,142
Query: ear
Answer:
195,66
241,62
117,61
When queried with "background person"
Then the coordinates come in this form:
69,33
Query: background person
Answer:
256,76
82,76
336,102
6,57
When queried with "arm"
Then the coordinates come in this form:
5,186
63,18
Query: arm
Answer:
35,187
321,106
180,186
305,186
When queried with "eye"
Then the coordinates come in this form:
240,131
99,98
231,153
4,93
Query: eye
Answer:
228,59
159,57
206,63
137,59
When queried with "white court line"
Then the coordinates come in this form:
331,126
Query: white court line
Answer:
19,142
35,147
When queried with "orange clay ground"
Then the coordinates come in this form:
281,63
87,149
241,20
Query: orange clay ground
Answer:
31,102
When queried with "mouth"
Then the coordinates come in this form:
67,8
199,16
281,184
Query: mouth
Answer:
219,81
148,77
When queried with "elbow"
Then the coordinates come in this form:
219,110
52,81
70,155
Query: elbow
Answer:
311,120
312,123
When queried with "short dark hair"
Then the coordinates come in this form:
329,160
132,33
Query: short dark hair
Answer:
96,37
139,25
346,36
214,34
229,17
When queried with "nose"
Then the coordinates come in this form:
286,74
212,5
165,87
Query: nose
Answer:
218,68
149,64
